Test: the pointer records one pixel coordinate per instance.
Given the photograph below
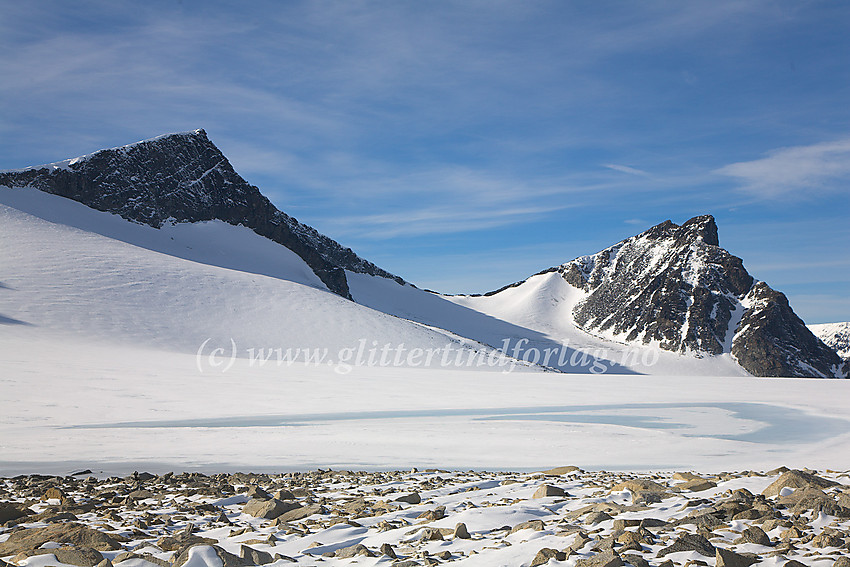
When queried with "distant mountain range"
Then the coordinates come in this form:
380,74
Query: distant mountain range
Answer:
671,291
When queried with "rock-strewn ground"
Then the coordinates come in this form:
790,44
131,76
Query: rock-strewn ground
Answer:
565,516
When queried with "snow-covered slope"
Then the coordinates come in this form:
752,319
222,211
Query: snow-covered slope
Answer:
835,335
100,278
533,321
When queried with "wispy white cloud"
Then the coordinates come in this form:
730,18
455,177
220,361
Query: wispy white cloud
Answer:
441,219
800,171
626,169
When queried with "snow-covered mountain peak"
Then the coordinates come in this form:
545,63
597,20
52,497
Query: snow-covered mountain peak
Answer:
673,287
184,177
670,285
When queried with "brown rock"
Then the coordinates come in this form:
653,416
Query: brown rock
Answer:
536,525
300,512
70,533
544,555
697,485
267,508
608,558
227,559
355,550
546,490
431,534
557,471
182,540
754,534
10,511
796,479
81,556
255,556
726,558
461,531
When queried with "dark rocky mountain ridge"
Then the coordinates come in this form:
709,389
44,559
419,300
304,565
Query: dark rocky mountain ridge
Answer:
674,286
184,177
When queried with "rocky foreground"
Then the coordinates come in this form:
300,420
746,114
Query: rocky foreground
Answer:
564,516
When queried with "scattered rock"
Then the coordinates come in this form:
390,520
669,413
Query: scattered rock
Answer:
300,512
608,558
636,560
727,558
690,542
255,556
70,533
461,531
595,517
536,525
181,541
431,534
796,479
81,556
697,485
257,492
227,558
355,550
544,555
546,490
12,512
269,508
558,471
387,550
827,540
412,498
643,490
754,534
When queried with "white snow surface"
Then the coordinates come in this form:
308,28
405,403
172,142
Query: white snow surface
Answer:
835,335
102,324
537,312
172,288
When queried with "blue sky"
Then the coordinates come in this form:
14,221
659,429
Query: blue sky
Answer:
466,145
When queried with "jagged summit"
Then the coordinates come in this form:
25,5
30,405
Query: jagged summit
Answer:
671,285
702,228
184,177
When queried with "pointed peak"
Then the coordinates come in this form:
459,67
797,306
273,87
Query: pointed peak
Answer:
703,226
198,137
199,134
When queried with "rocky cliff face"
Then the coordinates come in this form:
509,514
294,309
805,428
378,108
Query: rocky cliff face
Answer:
674,286
772,341
185,178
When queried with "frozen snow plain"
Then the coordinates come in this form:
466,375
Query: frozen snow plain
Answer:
101,322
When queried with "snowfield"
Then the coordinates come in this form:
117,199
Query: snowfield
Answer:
205,347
